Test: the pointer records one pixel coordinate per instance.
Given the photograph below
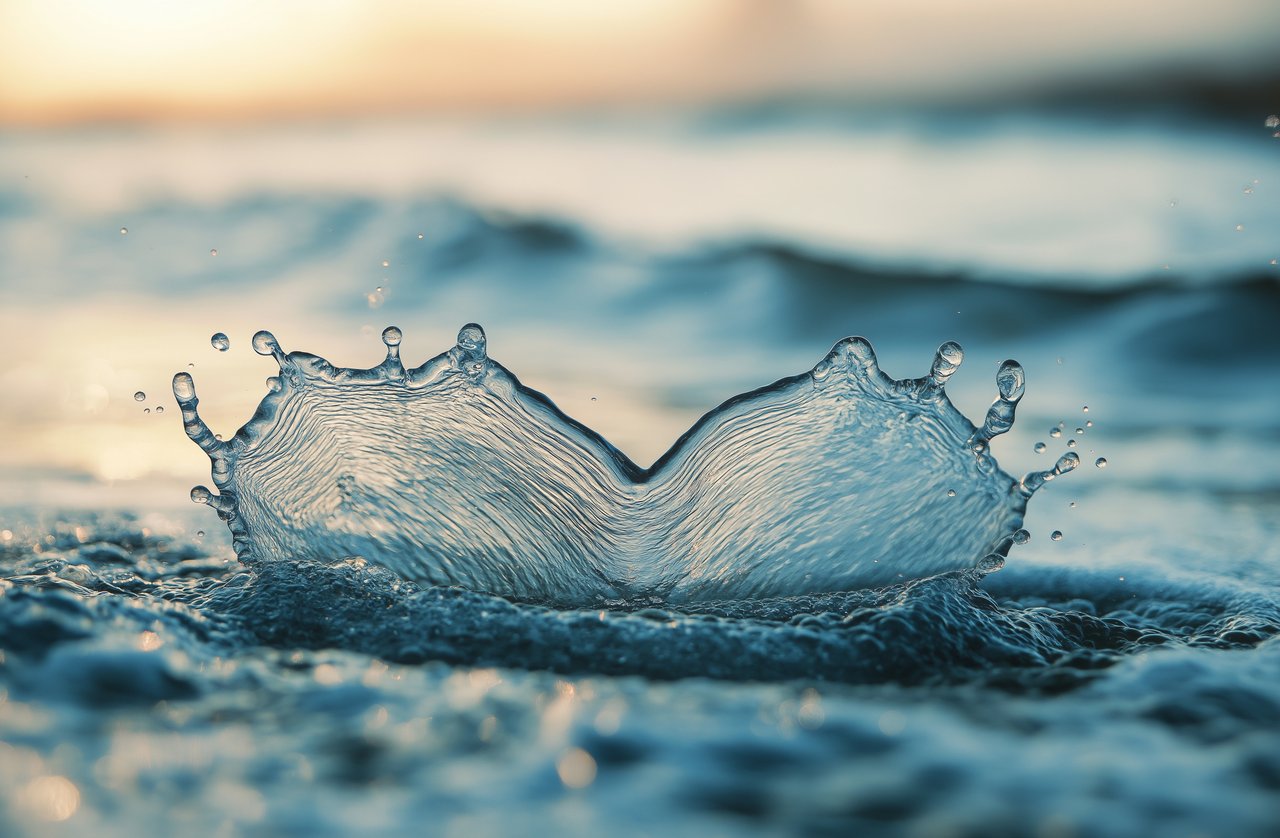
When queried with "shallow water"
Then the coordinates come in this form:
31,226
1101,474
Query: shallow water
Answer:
1121,680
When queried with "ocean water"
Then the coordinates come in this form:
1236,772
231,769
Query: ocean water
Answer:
374,648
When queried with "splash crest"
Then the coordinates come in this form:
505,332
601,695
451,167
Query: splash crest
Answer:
454,473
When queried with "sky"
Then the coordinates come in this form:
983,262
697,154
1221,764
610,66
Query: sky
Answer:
91,60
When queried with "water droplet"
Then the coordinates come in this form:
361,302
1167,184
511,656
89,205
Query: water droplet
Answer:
1248,190
386,263
200,494
1079,431
1084,409
1089,424
1071,443
1055,432
1173,202
1040,448
376,298
593,398
1021,537
220,342
274,384
124,231
199,533
392,336
159,409
1101,462
213,251
951,493
1272,121
1071,505
184,387
419,236
1059,362
1275,261
1056,535
264,343
146,410
139,396
1239,228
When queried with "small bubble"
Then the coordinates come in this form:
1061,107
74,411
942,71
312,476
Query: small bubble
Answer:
139,396
386,263
1040,448
1071,443
220,342
1021,537
159,409
1239,228
1272,121
124,231
951,493
1056,535
1055,432
1101,462
213,251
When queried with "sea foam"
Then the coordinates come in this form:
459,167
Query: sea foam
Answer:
454,473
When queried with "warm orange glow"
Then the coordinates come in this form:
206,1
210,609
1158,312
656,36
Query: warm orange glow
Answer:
90,59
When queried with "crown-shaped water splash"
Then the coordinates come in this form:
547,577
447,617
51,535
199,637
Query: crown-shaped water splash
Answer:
454,473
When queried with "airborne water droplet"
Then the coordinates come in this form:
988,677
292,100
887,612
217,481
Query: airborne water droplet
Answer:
1085,409
213,251
392,336
419,235
1055,433
951,493
139,396
1079,431
220,342
199,533
146,410
1089,424
1239,228
1056,535
159,409
1272,121
1021,537
1040,447
1101,462
386,263
1071,443
124,231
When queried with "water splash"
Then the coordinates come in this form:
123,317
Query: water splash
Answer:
454,473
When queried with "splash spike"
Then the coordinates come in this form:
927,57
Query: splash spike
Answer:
1034,480
945,362
1011,383
472,340
470,354
184,390
265,343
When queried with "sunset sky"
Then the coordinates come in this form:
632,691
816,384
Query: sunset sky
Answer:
76,60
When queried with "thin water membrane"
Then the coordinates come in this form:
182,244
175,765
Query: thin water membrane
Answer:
453,473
